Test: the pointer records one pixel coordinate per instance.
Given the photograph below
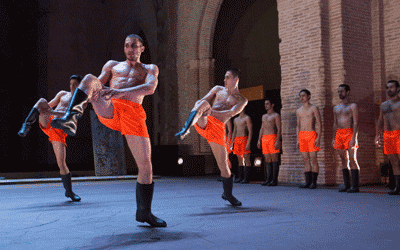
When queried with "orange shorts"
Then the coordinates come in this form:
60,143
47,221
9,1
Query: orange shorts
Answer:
214,131
239,146
391,142
54,134
268,144
307,140
343,138
129,118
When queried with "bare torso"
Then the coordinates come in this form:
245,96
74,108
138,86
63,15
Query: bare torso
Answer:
344,115
62,106
224,101
391,115
241,125
124,76
307,118
269,124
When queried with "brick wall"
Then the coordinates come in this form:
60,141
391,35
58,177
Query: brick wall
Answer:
302,66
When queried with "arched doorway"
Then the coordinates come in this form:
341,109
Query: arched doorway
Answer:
246,37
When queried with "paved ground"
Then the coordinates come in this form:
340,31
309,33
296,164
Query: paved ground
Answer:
37,216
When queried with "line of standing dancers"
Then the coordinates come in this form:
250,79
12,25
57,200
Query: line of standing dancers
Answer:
119,107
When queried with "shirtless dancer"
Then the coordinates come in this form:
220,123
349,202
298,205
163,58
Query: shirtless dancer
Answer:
389,120
241,138
345,124
119,108
308,138
209,116
269,140
43,111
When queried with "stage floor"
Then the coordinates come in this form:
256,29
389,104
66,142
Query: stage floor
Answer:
38,216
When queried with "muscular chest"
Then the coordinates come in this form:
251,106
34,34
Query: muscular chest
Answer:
306,114
240,122
268,120
65,99
125,76
224,99
343,111
392,109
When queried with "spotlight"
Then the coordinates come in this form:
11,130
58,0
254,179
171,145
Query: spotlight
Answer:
180,161
257,161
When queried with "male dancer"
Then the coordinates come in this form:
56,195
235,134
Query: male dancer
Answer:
308,138
209,116
241,138
345,123
43,111
119,108
389,120
269,140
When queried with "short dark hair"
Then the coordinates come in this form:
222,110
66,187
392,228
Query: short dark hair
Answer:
345,86
305,91
270,100
134,36
395,83
76,77
235,72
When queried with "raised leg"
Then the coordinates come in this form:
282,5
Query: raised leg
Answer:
88,86
200,109
39,108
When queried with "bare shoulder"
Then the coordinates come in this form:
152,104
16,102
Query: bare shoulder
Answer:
314,108
216,88
110,64
386,106
62,93
336,108
151,68
299,110
240,98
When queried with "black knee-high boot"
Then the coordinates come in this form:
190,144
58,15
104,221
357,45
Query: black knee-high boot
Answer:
246,178
69,122
240,174
227,184
144,197
314,178
269,176
189,122
355,179
346,180
396,190
32,118
66,180
308,180
275,167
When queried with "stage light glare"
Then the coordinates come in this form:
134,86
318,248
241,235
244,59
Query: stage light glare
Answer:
180,160
257,161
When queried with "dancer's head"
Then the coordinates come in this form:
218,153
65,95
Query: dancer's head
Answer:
269,104
74,81
392,88
343,91
304,95
232,78
133,47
